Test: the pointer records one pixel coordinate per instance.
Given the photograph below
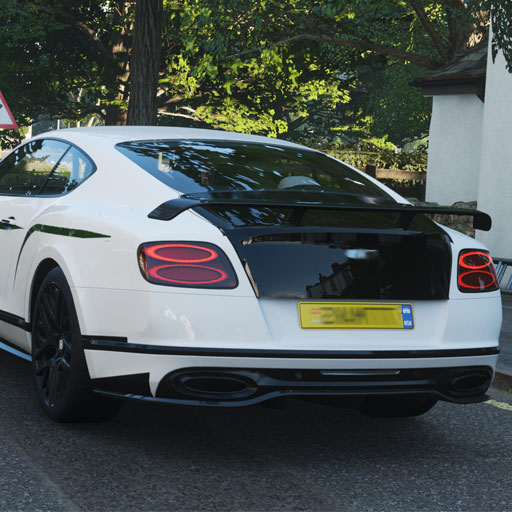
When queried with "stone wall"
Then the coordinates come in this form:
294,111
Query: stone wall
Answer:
463,224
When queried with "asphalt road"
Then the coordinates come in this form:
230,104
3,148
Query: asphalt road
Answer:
305,457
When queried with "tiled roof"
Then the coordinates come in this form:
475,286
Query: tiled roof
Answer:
470,66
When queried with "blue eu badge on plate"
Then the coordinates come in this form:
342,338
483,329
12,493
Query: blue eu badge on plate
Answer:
407,316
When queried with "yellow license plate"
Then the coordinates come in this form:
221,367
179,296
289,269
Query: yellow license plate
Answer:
355,315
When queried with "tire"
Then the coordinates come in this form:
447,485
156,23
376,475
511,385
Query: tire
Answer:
61,378
396,406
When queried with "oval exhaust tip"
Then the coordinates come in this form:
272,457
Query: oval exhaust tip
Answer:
470,382
214,386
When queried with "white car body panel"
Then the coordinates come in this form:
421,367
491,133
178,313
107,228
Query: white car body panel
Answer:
196,321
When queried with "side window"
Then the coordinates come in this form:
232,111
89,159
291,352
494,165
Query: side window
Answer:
25,170
73,168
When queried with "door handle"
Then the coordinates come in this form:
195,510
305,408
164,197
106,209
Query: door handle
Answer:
10,221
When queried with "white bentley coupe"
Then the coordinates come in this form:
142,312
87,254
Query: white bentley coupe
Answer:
202,267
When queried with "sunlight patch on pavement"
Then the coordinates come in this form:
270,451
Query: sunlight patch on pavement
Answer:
500,405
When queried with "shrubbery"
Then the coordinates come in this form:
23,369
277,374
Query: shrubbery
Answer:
384,158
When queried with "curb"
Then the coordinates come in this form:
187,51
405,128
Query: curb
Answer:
502,381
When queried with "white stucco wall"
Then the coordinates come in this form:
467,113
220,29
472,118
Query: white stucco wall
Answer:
454,148
495,190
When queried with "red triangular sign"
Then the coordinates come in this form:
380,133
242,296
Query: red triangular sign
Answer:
6,118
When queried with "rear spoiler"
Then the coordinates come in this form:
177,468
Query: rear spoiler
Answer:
171,209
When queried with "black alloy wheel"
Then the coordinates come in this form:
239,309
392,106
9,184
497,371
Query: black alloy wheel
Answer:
60,371
51,346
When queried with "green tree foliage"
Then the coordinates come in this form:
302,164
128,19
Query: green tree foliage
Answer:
70,59
396,109
383,108
424,32
377,47
318,69
62,58
213,76
502,29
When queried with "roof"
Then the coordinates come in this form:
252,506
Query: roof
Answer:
111,135
465,74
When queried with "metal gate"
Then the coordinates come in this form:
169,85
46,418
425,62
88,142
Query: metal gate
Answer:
502,265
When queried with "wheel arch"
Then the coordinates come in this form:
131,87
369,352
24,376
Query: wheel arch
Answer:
47,260
41,272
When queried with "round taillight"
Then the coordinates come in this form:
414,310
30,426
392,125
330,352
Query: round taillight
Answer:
188,274
181,253
477,279
475,260
186,264
476,272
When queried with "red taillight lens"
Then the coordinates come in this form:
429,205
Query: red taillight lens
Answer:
476,272
188,264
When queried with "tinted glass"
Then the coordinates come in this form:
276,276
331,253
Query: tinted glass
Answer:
198,166
72,169
25,170
348,266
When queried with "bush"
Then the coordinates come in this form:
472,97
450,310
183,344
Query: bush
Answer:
384,158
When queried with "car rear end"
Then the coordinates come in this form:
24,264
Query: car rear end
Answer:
302,290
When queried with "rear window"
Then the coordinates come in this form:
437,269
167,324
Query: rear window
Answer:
193,166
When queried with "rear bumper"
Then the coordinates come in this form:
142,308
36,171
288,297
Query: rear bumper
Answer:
238,387
237,377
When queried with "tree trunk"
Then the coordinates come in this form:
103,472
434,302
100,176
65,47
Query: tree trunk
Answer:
119,68
145,62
